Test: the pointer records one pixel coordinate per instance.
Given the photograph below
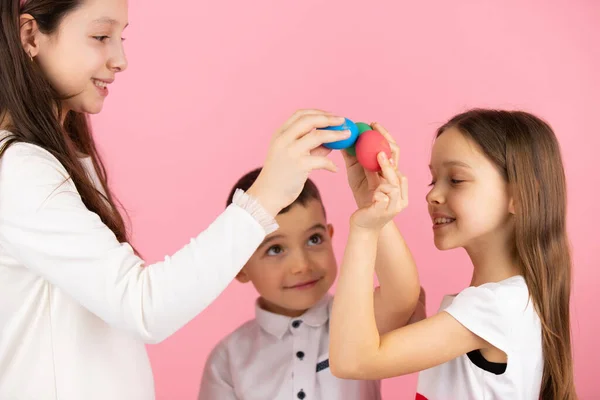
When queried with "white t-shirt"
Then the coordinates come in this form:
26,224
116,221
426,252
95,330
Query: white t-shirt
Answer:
77,306
280,358
503,314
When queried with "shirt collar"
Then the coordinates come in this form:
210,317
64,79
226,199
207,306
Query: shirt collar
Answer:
277,325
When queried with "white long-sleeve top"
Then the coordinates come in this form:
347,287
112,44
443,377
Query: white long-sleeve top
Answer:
77,306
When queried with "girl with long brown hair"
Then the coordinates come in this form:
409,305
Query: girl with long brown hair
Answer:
77,303
498,190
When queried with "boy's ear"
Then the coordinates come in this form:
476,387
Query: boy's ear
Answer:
242,276
29,33
330,230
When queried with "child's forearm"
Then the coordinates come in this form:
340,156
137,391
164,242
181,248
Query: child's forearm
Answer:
353,330
399,285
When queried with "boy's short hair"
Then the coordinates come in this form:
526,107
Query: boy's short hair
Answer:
309,191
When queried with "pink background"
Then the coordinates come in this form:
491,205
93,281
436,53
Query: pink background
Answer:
209,82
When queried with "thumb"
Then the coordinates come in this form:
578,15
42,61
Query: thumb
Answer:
320,151
322,162
380,201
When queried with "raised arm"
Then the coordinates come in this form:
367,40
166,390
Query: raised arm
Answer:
357,349
45,225
396,298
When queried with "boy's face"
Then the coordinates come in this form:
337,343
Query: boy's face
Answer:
295,266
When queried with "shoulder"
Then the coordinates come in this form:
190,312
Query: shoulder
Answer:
238,341
29,174
510,294
25,160
511,291
515,284
492,310
19,152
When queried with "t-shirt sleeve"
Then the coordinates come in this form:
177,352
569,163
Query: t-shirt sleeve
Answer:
47,228
478,310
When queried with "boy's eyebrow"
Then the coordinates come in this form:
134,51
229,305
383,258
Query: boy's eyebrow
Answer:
319,226
268,240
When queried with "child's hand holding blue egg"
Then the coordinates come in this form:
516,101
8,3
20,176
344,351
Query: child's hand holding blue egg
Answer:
346,143
365,147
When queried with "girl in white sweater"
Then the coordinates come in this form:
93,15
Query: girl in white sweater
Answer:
77,303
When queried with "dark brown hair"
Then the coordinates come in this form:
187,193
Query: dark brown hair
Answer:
525,150
29,105
309,191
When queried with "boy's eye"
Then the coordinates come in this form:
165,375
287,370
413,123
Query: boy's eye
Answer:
274,250
432,183
315,239
101,38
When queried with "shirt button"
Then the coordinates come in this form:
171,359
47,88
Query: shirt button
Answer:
301,394
300,355
296,323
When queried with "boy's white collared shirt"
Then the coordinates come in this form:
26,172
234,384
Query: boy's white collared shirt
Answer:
274,357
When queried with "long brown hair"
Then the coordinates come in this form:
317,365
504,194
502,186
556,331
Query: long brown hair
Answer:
29,104
525,150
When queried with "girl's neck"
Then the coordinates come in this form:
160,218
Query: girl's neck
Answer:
63,116
76,149
493,260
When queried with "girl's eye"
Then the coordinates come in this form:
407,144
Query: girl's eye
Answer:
452,181
101,38
315,239
274,250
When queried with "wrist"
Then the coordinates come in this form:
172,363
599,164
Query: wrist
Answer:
264,199
363,233
251,205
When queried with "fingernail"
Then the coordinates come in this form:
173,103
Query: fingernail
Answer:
382,156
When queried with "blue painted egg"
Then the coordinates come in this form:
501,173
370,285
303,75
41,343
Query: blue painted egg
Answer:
343,144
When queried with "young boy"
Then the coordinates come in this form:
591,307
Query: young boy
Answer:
283,352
